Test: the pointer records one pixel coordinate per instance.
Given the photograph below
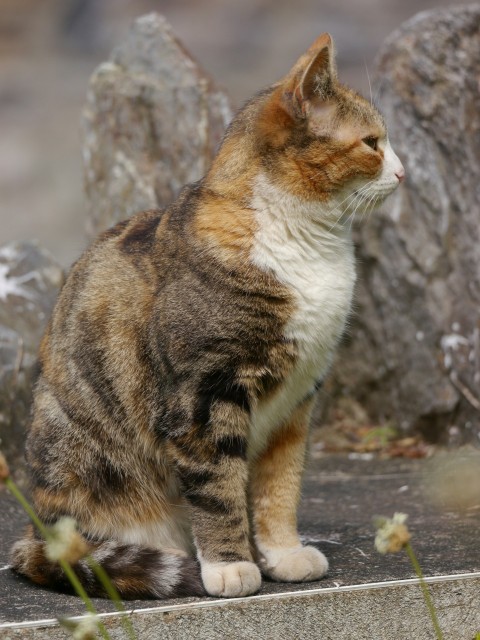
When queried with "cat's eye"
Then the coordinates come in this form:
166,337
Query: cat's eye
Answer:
371,141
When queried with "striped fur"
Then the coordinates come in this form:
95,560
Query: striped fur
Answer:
136,571
177,372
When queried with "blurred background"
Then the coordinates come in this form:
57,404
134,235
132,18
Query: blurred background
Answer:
49,48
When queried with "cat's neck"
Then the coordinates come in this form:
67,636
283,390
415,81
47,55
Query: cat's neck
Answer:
317,228
239,216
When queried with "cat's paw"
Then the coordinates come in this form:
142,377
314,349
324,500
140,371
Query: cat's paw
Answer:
231,579
297,564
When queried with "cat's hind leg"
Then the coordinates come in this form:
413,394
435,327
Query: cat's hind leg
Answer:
275,492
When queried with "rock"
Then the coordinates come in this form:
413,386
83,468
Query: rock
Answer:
29,283
412,357
413,351
152,123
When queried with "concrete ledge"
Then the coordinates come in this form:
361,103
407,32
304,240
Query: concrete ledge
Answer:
365,596
391,610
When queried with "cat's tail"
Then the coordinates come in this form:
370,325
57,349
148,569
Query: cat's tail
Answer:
137,572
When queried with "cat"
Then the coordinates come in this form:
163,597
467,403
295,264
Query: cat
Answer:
180,366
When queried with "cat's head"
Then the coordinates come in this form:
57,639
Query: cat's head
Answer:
322,141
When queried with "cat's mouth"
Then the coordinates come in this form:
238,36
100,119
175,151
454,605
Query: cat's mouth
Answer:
378,191
368,197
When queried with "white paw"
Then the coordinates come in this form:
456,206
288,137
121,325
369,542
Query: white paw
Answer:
231,579
297,564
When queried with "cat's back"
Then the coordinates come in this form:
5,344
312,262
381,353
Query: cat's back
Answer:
109,292
106,294
119,264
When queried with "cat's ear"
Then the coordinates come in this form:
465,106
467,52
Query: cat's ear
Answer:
314,75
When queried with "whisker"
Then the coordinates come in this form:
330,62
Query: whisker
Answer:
371,205
352,217
360,190
370,198
369,83
345,212
366,212
357,198
351,204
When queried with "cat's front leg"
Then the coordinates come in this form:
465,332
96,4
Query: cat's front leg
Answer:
275,492
212,467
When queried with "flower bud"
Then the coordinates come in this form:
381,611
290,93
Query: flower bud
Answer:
392,533
84,629
65,543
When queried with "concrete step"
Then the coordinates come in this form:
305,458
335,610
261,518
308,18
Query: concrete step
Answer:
365,596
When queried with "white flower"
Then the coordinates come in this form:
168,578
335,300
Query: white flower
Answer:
84,629
65,543
87,628
392,533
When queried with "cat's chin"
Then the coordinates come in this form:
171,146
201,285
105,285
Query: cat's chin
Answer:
365,205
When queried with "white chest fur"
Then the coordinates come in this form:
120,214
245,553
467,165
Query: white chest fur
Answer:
295,241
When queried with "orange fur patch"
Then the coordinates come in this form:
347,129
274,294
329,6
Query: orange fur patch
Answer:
226,225
275,482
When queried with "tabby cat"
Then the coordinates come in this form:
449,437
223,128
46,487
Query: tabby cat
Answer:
179,369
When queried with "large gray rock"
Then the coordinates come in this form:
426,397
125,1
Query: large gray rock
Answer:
152,123
29,283
413,351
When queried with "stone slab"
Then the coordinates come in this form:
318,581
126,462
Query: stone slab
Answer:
418,257
365,595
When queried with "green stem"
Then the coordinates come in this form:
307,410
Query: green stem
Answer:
69,572
15,491
80,591
113,595
426,593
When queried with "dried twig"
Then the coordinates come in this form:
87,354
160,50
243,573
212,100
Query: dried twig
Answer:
465,391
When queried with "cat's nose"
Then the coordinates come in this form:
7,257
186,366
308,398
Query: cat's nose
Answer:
400,173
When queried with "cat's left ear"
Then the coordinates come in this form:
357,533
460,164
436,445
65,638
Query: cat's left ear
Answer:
314,74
